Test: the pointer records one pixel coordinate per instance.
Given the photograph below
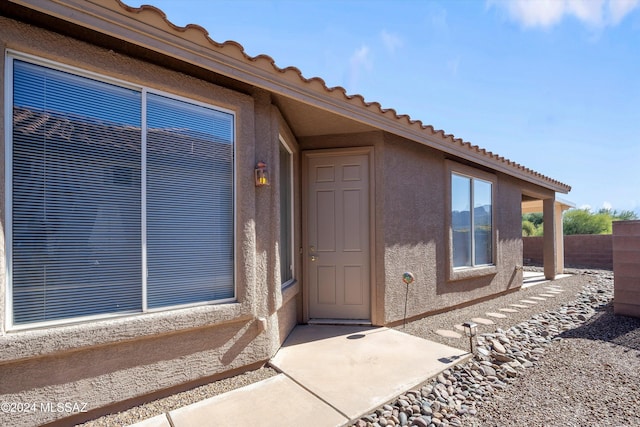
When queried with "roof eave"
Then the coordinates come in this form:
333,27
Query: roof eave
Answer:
144,27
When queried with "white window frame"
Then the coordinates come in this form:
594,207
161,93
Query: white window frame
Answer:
9,57
292,228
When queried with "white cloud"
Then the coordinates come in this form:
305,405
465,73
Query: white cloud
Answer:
391,41
608,206
618,9
587,207
547,13
360,60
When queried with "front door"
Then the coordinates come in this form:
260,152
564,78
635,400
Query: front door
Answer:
337,253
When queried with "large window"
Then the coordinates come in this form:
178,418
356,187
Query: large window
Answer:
286,215
471,221
119,200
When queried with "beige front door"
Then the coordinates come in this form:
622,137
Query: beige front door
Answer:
337,253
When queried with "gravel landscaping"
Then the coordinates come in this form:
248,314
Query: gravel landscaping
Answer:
570,362
563,361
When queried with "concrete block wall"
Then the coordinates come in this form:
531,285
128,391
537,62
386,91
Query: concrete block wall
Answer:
626,268
580,251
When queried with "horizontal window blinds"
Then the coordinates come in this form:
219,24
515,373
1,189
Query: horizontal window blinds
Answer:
76,196
189,203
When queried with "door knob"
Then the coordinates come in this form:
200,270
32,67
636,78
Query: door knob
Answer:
313,258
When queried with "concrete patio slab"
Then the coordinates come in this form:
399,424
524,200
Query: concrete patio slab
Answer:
356,369
157,421
483,321
275,402
497,315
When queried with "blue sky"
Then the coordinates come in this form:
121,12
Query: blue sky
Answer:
551,84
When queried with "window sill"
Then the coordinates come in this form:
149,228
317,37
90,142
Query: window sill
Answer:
24,344
471,272
290,290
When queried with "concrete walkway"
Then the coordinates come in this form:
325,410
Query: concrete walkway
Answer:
330,375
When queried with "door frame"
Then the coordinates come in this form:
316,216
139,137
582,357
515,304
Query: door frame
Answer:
338,152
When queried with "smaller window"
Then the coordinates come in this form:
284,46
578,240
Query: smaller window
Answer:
286,215
471,221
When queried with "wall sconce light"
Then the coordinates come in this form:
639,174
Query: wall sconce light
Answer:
471,330
261,174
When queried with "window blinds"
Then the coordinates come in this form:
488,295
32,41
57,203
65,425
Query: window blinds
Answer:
76,196
77,193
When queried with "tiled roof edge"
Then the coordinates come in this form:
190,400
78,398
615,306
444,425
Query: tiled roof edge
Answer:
357,98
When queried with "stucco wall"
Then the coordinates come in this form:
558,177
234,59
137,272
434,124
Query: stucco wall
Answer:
109,361
580,251
626,268
415,234
411,233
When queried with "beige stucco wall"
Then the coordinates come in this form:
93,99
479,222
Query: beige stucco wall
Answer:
108,361
411,212
415,234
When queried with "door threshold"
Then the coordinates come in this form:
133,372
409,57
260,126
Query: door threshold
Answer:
350,322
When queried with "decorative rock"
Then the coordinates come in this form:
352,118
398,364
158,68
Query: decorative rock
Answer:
488,371
509,371
501,357
420,422
426,410
403,419
498,347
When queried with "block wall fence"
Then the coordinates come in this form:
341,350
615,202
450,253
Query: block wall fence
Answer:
626,268
580,251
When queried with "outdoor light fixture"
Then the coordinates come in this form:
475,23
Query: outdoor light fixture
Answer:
471,329
261,174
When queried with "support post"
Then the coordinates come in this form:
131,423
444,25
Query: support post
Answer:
550,247
559,239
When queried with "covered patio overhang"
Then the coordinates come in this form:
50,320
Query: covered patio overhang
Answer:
553,248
